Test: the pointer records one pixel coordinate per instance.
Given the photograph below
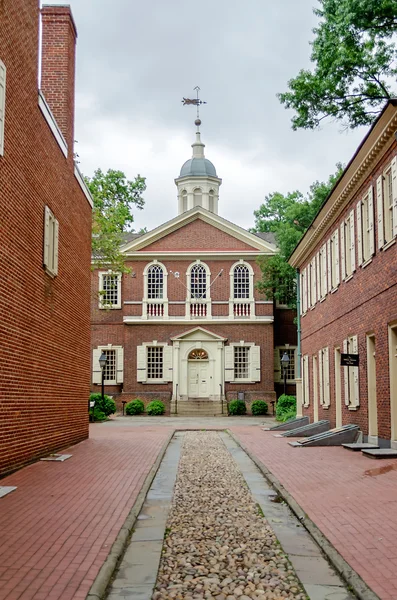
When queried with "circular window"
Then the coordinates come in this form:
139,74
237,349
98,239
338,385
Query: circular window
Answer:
198,355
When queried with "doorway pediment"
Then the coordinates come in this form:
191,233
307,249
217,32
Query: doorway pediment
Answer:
199,334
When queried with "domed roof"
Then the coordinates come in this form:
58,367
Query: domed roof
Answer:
198,166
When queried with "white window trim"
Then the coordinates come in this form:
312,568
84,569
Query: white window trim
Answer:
3,73
278,371
250,300
351,382
100,303
50,250
229,377
53,125
189,299
146,300
324,377
306,382
167,363
97,371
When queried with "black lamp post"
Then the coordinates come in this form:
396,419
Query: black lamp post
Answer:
285,363
102,362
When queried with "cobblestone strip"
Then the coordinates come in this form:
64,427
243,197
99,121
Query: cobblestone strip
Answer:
217,545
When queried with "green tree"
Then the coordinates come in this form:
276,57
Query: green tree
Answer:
114,198
354,58
288,217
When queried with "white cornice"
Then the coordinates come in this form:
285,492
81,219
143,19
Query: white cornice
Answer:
194,254
128,320
374,146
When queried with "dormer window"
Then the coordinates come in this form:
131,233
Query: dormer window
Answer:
197,197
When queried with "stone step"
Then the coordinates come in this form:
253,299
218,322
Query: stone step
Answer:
380,453
360,446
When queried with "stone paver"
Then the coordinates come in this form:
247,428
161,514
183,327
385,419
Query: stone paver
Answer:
58,527
352,500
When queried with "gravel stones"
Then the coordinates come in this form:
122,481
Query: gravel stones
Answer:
217,545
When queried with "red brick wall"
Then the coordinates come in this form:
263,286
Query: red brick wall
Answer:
45,357
364,304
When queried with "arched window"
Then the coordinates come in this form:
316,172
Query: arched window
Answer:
155,282
184,201
197,197
211,201
241,282
198,282
198,354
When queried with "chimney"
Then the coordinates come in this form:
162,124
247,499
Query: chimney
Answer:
58,66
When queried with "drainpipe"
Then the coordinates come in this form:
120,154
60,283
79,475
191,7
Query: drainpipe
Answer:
298,380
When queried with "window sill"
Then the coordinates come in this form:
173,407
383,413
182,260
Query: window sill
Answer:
323,298
243,381
335,289
325,407
110,307
353,407
348,278
388,244
50,273
366,263
154,381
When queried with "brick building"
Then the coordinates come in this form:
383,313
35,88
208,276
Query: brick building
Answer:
348,276
45,240
187,324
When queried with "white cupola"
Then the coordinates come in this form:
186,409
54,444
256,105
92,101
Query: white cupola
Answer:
198,183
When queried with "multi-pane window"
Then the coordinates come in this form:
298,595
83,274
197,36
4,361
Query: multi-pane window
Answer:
50,259
241,282
109,370
387,206
241,362
198,282
109,292
155,362
155,283
290,371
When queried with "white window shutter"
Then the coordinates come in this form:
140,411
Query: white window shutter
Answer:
305,295
46,236
359,234
56,243
301,293
329,267
327,393
394,190
314,281
355,374
371,221
320,375
96,369
336,248
141,363
318,276
2,104
352,242
309,285
255,363
346,375
379,208
324,269
306,380
229,363
342,250
167,363
119,365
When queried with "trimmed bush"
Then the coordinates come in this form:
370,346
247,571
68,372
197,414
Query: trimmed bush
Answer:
136,407
237,407
97,414
107,406
155,408
285,405
259,407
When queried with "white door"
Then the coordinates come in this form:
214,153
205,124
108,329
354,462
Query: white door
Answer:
198,379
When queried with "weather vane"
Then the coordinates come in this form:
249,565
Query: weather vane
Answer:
196,102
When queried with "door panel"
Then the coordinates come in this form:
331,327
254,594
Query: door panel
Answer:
198,379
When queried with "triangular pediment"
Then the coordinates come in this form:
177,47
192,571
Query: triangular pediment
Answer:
199,333
199,230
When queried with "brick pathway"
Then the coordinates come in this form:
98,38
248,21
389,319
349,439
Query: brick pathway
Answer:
352,499
57,528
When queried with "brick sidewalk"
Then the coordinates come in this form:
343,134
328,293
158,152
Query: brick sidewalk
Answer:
57,528
352,499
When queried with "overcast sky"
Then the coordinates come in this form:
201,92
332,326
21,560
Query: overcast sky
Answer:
135,62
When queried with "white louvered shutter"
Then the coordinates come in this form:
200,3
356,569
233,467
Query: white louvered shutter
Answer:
320,375
336,248
371,221
96,369
56,244
359,234
229,363
255,363
141,363
318,276
394,190
346,376
2,104
324,269
314,280
342,250
305,290
119,365
309,285
167,363
329,267
46,236
352,242
301,293
355,374
306,380
379,209
327,393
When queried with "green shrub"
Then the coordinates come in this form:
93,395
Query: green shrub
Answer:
237,407
285,405
107,405
136,407
155,408
287,416
259,407
97,414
